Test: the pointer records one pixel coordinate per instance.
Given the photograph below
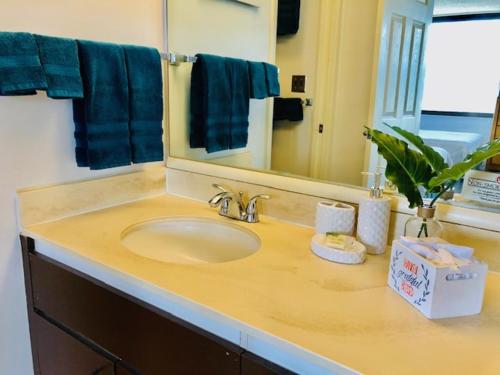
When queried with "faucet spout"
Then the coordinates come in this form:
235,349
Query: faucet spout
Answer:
233,205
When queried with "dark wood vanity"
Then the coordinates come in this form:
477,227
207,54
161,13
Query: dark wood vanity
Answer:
79,325
493,164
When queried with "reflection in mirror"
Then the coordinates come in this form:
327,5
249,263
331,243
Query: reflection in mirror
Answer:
429,67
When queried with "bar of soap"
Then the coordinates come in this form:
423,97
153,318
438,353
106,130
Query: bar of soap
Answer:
352,251
338,241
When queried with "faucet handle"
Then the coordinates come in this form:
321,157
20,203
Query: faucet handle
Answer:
220,198
260,196
221,188
251,211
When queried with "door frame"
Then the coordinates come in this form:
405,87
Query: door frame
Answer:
327,68
372,159
328,87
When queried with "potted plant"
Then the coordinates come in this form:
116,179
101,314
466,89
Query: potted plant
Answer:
422,169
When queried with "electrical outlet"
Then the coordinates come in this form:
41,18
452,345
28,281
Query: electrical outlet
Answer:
298,83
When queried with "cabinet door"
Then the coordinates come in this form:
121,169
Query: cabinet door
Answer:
252,364
61,354
146,339
120,369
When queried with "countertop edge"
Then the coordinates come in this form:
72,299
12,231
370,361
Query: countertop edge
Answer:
270,347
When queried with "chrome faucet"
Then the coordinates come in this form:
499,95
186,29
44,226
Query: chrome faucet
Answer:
233,205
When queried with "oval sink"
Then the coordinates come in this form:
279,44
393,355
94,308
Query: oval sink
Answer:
190,240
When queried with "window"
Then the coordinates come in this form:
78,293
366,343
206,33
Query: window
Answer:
462,66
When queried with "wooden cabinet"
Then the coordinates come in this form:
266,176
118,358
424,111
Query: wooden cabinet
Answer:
493,164
127,335
150,341
121,370
255,365
61,354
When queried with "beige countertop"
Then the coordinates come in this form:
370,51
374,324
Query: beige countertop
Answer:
335,314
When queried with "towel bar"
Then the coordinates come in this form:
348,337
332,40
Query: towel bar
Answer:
308,102
175,59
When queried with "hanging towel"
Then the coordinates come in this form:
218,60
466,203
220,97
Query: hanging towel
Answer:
102,116
210,105
272,79
288,17
290,109
145,103
21,72
258,85
59,57
240,101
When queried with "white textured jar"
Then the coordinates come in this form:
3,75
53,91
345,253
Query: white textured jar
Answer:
373,223
335,217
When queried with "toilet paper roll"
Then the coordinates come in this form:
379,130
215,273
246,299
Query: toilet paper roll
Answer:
335,217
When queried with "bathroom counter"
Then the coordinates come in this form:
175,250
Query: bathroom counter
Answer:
282,303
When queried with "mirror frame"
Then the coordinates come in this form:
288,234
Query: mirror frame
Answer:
329,190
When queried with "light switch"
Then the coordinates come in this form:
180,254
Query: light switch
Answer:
298,83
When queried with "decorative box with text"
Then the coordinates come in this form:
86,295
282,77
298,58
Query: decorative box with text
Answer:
436,291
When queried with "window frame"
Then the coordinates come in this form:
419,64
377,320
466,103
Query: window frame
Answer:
466,17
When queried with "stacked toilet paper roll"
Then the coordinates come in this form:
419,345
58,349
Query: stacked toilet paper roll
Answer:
335,217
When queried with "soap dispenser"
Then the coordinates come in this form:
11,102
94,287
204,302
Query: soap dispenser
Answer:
373,218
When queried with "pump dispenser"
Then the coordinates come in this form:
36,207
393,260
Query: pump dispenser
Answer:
373,218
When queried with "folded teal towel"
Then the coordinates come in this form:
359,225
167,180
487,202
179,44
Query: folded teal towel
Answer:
59,57
240,101
288,17
102,116
21,72
272,80
258,85
210,104
145,103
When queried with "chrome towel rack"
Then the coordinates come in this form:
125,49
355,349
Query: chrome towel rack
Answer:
176,59
307,102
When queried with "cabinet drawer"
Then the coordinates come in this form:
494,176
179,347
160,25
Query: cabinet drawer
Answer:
61,354
252,364
150,341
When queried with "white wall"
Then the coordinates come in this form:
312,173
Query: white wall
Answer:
225,28
345,92
297,55
36,136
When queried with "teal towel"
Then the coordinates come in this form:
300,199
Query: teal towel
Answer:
258,85
21,72
59,57
102,116
288,17
145,103
240,101
210,105
272,80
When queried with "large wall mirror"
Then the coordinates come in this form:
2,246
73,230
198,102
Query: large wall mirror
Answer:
430,67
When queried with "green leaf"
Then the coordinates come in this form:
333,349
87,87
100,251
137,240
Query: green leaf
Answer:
406,168
458,170
435,160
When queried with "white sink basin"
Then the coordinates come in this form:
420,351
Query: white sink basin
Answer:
190,240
